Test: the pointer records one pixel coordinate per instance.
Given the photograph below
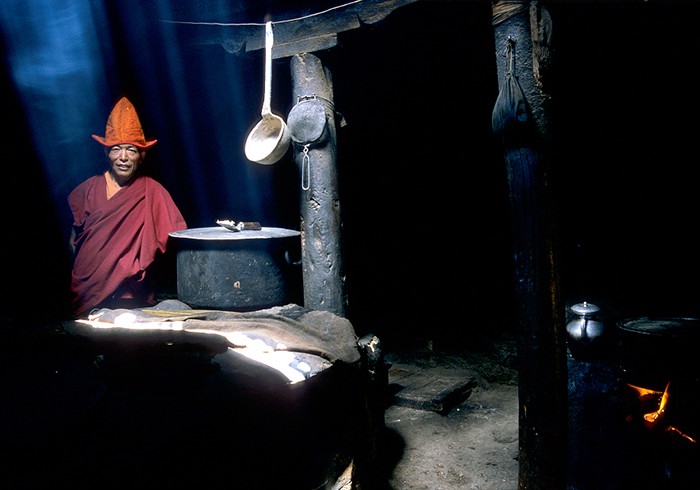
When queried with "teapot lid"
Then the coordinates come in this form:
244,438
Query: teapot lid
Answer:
585,308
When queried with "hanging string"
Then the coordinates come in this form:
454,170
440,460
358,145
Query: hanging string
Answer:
262,23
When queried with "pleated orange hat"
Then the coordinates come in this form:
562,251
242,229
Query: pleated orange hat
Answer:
124,127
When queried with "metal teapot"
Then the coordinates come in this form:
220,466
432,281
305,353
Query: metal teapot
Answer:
584,329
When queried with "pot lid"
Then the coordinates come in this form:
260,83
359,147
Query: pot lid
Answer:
666,327
218,233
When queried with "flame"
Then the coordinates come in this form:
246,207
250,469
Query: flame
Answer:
644,392
651,419
677,431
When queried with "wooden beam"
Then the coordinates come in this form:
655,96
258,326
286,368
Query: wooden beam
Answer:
307,34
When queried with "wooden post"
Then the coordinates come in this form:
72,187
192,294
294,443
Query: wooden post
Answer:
541,335
314,144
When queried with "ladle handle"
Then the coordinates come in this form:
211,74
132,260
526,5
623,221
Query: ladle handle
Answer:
269,41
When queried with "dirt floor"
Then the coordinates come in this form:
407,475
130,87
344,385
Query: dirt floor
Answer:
472,444
475,446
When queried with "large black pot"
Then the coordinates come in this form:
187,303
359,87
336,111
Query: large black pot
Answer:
238,270
654,350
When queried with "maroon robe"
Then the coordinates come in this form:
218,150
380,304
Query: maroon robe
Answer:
117,239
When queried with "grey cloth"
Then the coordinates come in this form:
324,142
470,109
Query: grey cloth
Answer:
289,328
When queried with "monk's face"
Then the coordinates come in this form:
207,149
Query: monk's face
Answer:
124,160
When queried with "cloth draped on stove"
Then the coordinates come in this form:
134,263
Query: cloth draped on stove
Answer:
281,329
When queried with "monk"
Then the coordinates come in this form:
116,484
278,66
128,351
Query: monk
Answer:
121,222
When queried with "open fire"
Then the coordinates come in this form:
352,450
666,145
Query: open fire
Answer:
659,362
634,408
660,404
660,381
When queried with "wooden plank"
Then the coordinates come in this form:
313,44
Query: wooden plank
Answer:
424,390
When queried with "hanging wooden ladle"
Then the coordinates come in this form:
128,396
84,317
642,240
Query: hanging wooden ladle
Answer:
269,140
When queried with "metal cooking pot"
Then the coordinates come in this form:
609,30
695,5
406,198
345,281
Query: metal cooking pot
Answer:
238,270
660,348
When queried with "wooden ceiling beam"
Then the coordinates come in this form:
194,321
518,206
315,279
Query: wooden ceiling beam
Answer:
306,34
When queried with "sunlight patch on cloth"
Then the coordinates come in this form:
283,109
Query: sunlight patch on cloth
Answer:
290,364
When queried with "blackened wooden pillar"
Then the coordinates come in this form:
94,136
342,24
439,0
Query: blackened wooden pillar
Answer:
314,145
541,335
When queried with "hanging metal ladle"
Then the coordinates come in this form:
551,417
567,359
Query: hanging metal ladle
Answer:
269,140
